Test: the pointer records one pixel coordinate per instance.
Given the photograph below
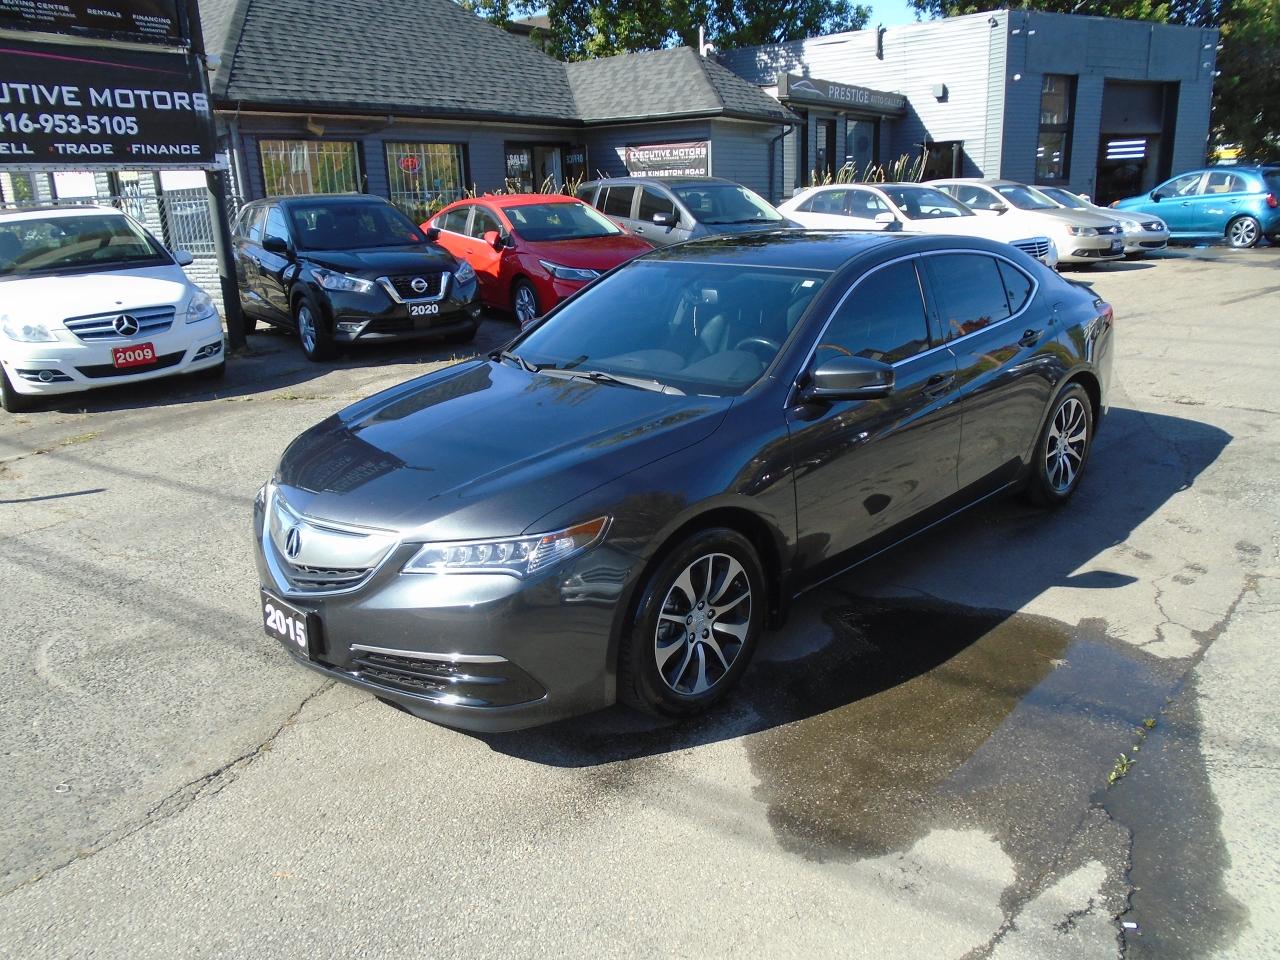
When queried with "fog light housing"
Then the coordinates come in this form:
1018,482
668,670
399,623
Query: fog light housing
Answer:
208,350
353,327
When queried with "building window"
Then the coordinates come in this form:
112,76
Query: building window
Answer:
291,167
423,177
824,152
1053,149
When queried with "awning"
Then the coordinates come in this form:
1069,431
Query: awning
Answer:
811,91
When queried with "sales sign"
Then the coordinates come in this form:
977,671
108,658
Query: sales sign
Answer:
691,158
138,21
84,107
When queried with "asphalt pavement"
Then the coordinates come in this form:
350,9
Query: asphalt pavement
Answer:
1023,735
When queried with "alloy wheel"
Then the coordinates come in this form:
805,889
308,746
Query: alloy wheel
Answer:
306,328
1243,232
1065,447
703,624
526,304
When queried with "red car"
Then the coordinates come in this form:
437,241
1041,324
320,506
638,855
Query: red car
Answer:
531,250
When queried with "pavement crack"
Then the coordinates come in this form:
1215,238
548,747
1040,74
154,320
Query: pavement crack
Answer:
184,797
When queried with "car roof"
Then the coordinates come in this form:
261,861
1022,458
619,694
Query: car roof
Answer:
38,212
824,250
311,199
675,181
519,199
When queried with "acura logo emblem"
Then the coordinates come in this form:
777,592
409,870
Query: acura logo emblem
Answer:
293,543
125,325
418,284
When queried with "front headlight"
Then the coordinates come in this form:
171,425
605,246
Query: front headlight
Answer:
344,283
465,272
561,272
26,332
200,307
1075,231
518,556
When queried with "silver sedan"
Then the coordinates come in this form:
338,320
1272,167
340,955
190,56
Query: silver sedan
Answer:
1142,232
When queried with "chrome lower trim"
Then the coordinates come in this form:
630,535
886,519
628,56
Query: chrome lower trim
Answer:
439,657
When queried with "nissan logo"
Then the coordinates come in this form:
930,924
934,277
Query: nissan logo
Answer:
125,325
293,543
418,284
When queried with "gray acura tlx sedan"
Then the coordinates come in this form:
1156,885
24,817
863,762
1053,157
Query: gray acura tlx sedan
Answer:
619,503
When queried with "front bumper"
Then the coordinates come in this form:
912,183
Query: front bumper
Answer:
1090,249
1144,241
482,652
70,365
365,317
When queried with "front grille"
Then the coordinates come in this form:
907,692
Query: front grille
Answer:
319,578
1094,254
111,370
326,557
404,285
1108,231
150,320
1037,247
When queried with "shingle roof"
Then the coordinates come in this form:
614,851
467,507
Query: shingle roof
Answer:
432,58
662,84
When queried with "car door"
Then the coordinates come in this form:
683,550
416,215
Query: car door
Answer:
1177,201
452,227
616,201
827,210
1002,337
247,240
865,468
487,260
1221,196
656,203
275,269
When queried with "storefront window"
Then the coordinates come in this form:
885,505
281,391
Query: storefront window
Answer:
861,145
291,167
575,166
423,177
824,151
1053,148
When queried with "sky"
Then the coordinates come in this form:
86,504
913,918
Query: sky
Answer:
891,13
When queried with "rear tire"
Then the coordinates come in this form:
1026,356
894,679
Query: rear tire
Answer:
696,626
317,342
1243,232
1062,452
10,399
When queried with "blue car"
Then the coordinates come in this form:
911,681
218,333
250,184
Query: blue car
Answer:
1241,204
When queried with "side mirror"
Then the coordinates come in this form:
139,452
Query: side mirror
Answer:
849,378
1156,196
1000,208
432,233
664,219
183,258
276,245
889,220
494,239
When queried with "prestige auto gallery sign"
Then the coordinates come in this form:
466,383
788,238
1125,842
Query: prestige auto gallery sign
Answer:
93,106
691,158
145,21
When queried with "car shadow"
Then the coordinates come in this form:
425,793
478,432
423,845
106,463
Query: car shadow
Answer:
274,361
842,645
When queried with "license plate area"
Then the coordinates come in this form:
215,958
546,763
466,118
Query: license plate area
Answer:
134,355
423,309
296,629
1117,246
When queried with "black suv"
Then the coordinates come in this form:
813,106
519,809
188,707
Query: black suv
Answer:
347,267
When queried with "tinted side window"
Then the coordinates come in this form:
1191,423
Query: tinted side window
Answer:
275,225
1224,183
253,225
883,319
1183,186
617,202
1017,286
455,221
652,202
484,222
973,197
587,192
970,292
865,204
826,201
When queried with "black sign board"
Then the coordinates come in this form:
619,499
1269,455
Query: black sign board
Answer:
140,21
83,107
691,158
839,96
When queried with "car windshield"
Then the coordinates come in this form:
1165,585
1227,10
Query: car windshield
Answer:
725,203
37,245
1064,197
351,226
558,221
1024,198
925,203
707,328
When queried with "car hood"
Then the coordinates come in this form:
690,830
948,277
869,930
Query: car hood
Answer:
589,253
61,297
1079,218
755,226
482,449
383,261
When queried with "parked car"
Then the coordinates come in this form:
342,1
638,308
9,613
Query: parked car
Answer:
1081,236
618,502
667,210
1142,234
532,250
909,206
1241,204
89,298
342,268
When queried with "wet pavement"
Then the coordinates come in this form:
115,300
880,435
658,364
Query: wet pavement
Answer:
1009,738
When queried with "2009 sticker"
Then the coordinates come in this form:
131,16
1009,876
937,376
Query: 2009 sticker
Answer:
134,356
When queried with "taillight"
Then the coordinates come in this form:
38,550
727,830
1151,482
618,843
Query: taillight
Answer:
1272,202
1108,316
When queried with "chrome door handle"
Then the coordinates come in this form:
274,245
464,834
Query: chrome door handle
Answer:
938,384
1030,338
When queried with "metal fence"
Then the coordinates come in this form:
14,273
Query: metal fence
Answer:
180,219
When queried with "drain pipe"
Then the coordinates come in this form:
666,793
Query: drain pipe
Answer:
786,129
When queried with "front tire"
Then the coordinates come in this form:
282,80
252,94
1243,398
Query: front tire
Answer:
696,627
1243,233
524,302
10,399
1063,449
317,342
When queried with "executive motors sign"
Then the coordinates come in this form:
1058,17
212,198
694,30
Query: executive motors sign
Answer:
692,158
137,21
82,107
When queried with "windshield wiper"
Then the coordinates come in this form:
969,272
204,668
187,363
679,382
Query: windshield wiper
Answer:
599,376
515,358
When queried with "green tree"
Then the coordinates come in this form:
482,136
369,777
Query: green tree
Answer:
1246,94
580,29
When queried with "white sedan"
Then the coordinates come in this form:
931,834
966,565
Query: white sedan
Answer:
88,298
911,207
